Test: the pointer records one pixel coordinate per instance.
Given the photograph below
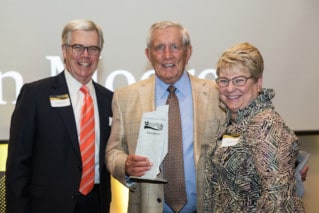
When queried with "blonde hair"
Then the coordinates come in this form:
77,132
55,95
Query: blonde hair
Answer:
243,54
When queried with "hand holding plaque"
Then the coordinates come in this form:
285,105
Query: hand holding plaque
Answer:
153,141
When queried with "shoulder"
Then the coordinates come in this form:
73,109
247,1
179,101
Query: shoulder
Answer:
139,85
206,87
202,83
44,84
268,115
101,89
198,80
269,122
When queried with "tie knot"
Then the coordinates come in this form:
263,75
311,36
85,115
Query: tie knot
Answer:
171,89
85,89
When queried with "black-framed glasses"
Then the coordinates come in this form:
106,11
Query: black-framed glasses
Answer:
79,49
175,48
236,81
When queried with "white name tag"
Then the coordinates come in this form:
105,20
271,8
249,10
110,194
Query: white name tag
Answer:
229,140
110,121
60,100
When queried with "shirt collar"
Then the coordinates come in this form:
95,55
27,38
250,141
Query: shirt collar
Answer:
161,87
75,84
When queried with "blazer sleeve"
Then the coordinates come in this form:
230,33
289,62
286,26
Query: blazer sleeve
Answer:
18,166
116,150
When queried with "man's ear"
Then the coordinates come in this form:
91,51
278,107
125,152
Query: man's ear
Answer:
147,53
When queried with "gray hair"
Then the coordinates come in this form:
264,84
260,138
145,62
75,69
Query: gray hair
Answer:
166,24
79,24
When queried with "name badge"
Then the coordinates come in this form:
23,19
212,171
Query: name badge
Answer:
110,121
60,100
229,140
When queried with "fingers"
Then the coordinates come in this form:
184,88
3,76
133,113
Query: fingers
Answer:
137,165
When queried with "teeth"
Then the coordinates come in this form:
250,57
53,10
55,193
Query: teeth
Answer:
84,64
233,97
168,65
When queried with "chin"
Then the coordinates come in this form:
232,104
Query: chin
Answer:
234,109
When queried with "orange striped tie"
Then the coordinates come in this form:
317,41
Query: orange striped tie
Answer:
87,142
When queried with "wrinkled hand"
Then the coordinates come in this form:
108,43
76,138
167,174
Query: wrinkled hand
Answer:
303,173
136,165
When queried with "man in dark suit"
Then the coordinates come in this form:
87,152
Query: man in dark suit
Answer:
44,165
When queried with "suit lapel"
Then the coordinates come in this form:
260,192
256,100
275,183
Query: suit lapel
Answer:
103,104
200,99
146,94
59,87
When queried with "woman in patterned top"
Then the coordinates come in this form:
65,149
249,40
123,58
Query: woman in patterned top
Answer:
251,165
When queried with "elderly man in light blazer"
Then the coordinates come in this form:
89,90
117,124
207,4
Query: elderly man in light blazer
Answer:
168,50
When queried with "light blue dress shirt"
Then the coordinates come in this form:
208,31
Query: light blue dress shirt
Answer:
184,94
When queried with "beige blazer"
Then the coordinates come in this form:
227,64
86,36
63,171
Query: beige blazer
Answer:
128,105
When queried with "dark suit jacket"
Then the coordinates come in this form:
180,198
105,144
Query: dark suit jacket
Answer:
44,163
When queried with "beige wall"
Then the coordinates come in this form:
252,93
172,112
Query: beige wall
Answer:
286,32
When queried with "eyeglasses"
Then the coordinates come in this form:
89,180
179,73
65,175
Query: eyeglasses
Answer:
174,48
78,49
237,81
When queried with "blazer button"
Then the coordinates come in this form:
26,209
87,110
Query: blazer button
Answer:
159,200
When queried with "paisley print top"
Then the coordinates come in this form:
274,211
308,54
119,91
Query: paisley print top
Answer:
250,166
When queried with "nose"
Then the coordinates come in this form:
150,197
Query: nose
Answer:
230,86
167,52
85,52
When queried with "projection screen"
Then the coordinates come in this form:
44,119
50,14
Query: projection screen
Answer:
286,32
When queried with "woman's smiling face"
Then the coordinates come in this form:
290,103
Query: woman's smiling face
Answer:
238,97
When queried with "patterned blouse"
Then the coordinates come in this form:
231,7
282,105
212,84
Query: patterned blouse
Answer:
251,165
